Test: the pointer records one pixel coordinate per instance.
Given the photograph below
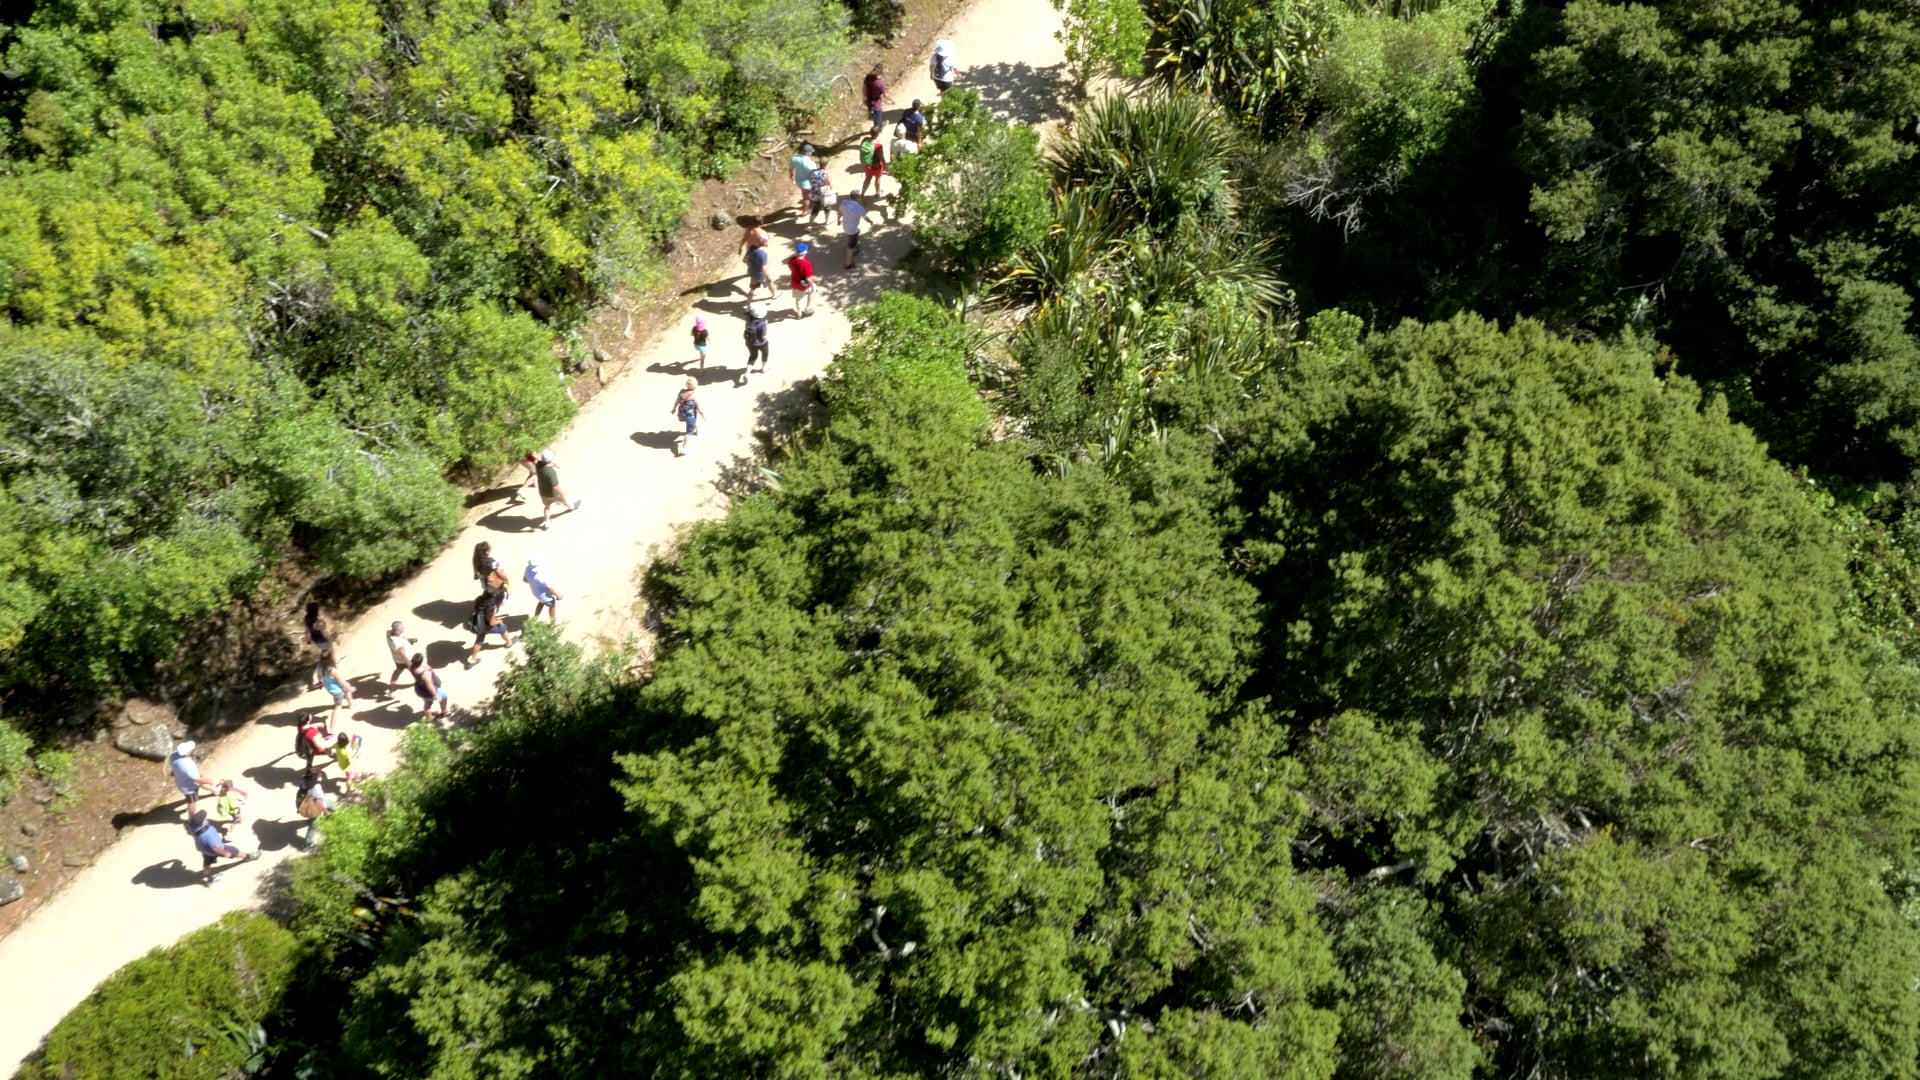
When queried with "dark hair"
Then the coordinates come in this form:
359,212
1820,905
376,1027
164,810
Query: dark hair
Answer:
916,104
416,660
313,610
198,821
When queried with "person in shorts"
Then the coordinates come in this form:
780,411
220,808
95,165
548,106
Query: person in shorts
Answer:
687,407
213,847
800,280
700,339
914,121
530,462
551,493
851,211
400,647
429,688
875,170
186,776
312,802
802,165
229,802
757,276
822,195
337,687
545,596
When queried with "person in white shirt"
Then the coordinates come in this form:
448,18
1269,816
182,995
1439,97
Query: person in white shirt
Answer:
850,214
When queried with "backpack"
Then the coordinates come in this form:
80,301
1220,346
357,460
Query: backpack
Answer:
309,803
866,150
302,742
481,620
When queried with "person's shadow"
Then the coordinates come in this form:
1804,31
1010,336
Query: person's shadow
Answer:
276,835
171,874
160,815
658,440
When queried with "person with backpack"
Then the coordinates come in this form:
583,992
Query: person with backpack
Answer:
687,408
942,67
822,195
429,688
800,280
914,121
186,775
756,337
874,87
313,737
873,155
213,847
311,801
487,620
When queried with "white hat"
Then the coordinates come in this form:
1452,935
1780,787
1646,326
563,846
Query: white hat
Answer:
184,748
546,455
757,309
942,47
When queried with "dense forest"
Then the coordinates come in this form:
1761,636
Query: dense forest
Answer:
1402,567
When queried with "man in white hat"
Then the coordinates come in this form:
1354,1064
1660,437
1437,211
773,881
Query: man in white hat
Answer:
186,775
942,67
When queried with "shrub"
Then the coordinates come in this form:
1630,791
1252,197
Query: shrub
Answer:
189,1010
978,192
13,760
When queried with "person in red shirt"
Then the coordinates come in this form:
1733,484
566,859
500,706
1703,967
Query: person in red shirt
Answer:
800,280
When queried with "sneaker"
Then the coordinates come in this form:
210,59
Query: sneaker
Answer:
251,856
544,524
577,502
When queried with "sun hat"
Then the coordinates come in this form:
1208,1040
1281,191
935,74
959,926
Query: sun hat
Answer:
546,455
942,47
185,747
757,309
699,322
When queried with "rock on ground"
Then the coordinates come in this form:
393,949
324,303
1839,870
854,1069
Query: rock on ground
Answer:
10,888
151,741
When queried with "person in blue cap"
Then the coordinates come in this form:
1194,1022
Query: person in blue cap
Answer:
800,280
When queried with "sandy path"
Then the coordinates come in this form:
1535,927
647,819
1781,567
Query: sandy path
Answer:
143,892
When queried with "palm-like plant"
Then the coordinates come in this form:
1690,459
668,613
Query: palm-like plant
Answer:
1156,160
1248,55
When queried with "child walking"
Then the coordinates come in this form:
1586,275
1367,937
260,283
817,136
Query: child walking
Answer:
700,339
687,408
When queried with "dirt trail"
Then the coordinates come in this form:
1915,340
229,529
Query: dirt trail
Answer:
143,892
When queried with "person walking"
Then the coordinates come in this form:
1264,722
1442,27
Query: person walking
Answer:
345,748
320,638
874,163
800,279
944,69
313,739
213,847
548,476
822,195
337,687
545,596
754,236
756,337
186,775
229,802
487,620
802,165
897,151
851,211
311,801
687,408
874,87
700,339
400,647
756,259
530,463
914,121
428,686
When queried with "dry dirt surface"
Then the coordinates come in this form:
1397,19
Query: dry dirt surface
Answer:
143,890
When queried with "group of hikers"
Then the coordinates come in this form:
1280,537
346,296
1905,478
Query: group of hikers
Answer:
320,743
815,186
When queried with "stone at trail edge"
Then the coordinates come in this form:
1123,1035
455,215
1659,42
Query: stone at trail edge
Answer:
74,860
10,888
29,828
153,742
20,864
